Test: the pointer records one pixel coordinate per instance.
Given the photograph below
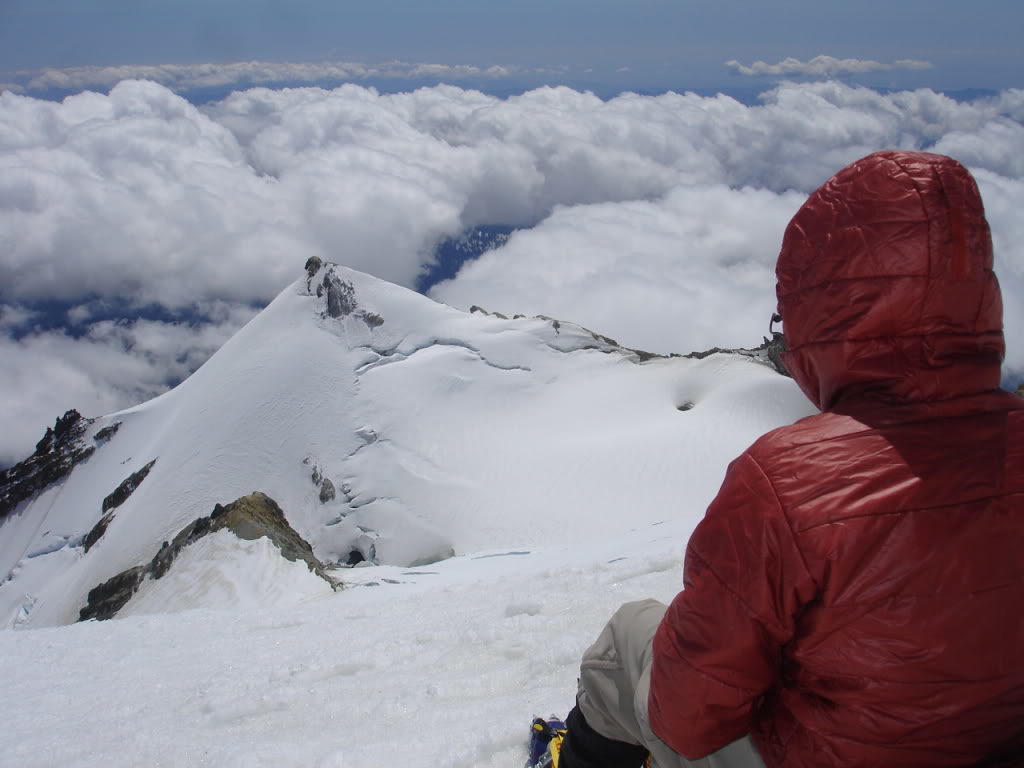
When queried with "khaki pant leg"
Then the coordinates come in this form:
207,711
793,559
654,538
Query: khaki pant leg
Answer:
615,678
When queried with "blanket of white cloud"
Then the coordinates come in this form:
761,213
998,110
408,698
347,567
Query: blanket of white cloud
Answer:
653,219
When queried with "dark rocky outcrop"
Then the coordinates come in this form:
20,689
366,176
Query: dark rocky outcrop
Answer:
107,432
372,319
773,349
327,492
477,308
341,295
118,497
256,515
313,265
97,531
250,517
112,595
120,494
769,353
60,450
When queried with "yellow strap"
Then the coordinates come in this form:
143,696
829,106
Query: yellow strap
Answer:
555,748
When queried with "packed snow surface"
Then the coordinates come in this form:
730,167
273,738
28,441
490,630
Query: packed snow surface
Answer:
510,482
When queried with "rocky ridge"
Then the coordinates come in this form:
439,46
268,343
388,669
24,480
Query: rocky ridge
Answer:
60,450
769,352
250,517
116,498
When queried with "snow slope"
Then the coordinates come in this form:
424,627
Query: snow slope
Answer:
513,480
442,669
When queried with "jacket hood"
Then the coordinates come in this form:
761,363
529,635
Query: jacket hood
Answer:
885,285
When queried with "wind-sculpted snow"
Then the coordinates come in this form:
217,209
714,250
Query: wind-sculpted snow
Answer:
444,434
655,219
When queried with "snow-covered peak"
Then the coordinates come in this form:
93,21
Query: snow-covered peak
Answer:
392,429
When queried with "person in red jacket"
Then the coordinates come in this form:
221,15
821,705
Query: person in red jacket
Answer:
854,595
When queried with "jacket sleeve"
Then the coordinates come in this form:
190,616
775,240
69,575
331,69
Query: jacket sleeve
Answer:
719,647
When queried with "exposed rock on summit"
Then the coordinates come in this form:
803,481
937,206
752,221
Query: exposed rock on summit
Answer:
341,294
313,265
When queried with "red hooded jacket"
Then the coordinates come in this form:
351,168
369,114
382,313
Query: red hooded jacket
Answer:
855,593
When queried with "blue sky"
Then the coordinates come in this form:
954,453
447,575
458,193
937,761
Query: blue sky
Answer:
664,43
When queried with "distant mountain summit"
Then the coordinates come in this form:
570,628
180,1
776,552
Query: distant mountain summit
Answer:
384,428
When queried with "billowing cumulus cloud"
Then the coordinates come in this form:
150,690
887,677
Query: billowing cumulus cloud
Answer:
691,271
822,66
652,219
111,365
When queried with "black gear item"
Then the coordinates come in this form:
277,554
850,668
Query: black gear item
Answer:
584,747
